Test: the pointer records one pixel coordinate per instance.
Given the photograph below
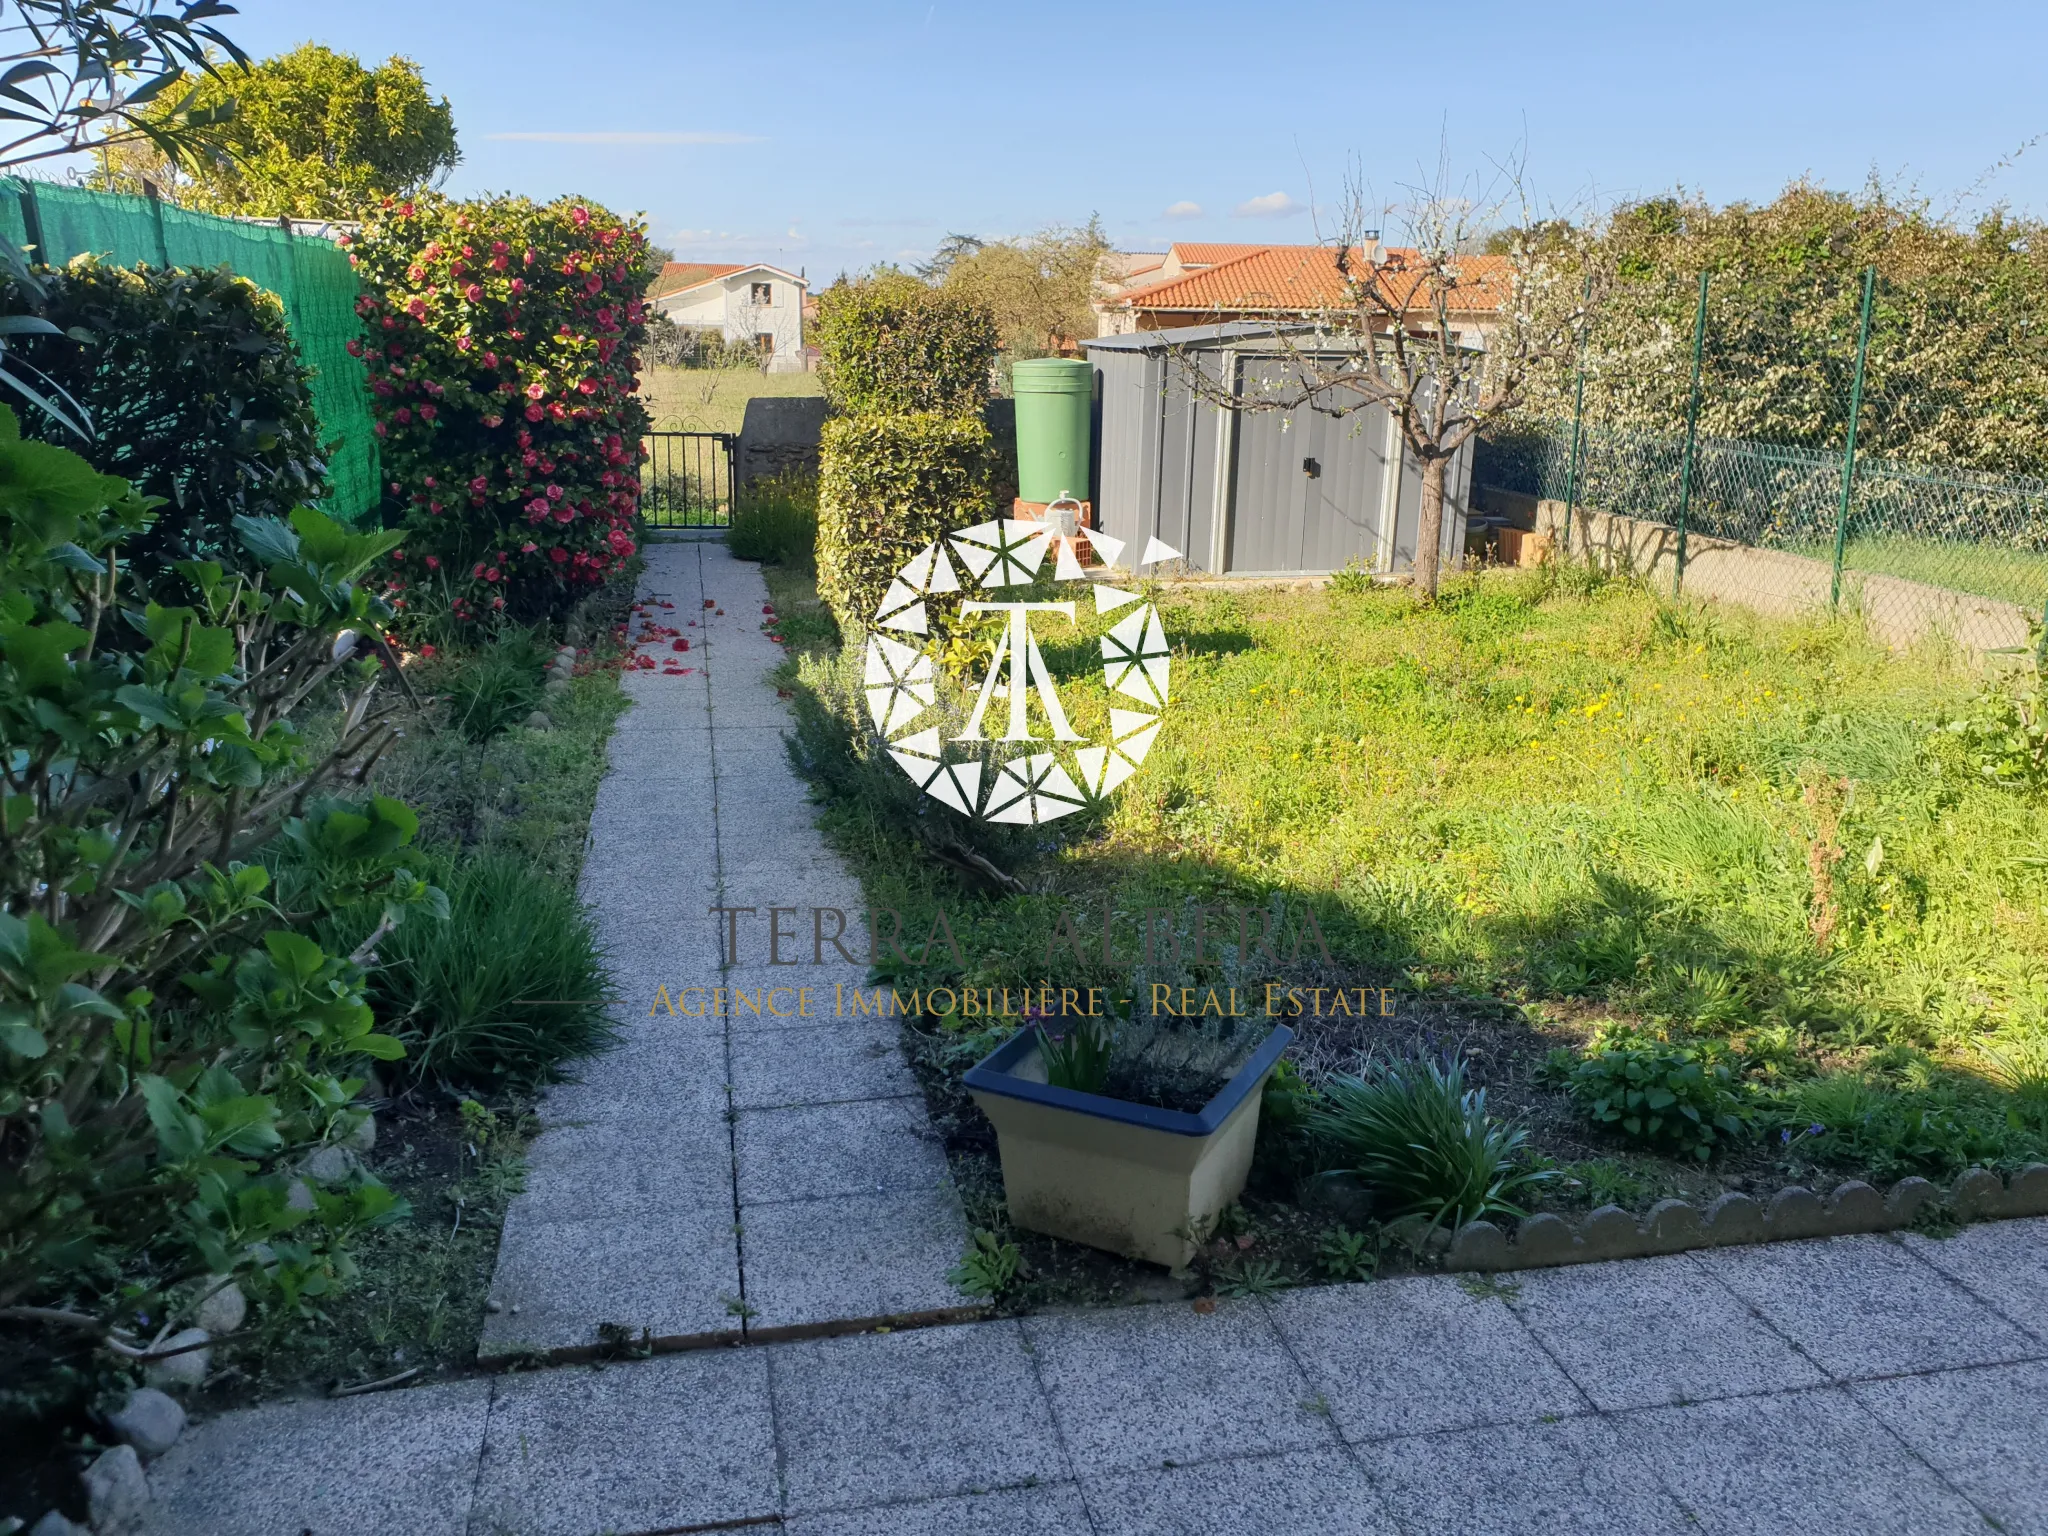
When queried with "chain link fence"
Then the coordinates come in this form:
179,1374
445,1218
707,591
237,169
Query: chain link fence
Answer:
1791,458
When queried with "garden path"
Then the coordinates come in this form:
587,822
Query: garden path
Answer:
1858,1385
718,1178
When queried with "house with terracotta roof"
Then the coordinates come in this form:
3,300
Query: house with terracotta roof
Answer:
752,303
1213,283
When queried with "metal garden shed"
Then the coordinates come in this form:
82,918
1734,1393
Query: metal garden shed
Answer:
1253,493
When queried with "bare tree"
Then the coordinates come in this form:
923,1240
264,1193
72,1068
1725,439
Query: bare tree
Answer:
1446,340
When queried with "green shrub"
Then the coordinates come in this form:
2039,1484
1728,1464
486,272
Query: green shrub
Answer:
166,1052
496,686
1937,1129
504,342
1677,1098
775,520
888,486
1423,1142
195,391
511,985
893,346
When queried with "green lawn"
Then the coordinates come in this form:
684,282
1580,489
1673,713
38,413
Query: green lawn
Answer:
1569,808
2016,576
713,399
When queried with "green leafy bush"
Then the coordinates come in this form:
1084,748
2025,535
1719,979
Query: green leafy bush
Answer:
510,986
775,520
163,1059
195,391
1677,1098
892,346
502,353
1423,1142
889,485
2004,737
497,686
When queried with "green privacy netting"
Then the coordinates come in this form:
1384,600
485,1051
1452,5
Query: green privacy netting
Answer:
309,273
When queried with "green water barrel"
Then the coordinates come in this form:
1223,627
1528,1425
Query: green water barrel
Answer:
1055,396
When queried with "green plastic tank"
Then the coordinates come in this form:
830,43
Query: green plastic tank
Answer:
1055,399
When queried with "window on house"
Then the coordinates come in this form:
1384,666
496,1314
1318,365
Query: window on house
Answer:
764,343
764,293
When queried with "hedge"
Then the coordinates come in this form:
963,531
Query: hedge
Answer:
196,394
888,486
893,346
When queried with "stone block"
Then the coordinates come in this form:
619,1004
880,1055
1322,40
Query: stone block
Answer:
1982,1431
890,1254
1794,1212
150,1420
2027,1194
823,1150
1734,1218
1855,1207
1673,1226
2000,1261
1043,1510
1413,1356
1907,1198
922,1414
1479,1245
846,1059
681,1441
1137,1387
222,1307
184,1362
116,1492
1545,1239
1301,1493
1610,1233
1977,1194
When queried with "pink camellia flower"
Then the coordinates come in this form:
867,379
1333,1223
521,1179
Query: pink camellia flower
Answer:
415,272
497,602
405,210
390,324
587,387
593,285
565,514
556,410
481,482
494,421
417,309
534,413
433,562
539,505
604,316
433,251
621,545
463,343
559,555
491,574
402,415
490,359
355,346
434,507
554,493
477,570
473,293
428,412
536,391
429,483
528,548
519,285
579,215
498,263
529,256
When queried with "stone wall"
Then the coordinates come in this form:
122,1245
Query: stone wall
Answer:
779,436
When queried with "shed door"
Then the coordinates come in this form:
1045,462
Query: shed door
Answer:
1306,488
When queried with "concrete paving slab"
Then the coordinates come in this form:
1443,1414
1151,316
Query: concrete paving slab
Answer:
847,1059
660,822
1046,1510
2004,1263
1135,1388
1574,1475
660,752
901,1417
1406,1356
1864,1306
1981,1429
663,1068
396,1463
823,1150
853,1258
1811,1462
628,1170
1307,1493
671,1275
646,1445
1655,1331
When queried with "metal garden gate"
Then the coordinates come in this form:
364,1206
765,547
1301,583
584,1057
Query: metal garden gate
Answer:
686,480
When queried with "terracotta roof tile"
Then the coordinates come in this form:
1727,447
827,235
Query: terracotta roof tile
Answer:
678,275
1266,279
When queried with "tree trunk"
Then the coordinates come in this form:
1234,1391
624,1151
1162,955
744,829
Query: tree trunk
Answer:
1429,529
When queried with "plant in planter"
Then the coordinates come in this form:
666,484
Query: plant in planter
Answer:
1128,1137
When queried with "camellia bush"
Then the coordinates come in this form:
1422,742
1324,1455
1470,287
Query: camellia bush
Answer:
502,348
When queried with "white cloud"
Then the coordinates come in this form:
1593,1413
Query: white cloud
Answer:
625,138
1274,205
1183,210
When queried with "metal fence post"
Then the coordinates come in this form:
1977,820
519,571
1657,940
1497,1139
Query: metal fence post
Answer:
1571,474
1849,451
1692,419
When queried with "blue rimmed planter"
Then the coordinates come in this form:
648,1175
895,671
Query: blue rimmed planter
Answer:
1124,1177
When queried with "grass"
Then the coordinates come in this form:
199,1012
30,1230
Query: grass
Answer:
2011,575
1549,807
713,399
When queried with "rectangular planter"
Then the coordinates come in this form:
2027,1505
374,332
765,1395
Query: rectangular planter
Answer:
1123,1177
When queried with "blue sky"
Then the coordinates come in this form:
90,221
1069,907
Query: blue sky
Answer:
834,136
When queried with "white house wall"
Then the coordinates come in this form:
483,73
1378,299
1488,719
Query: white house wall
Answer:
727,306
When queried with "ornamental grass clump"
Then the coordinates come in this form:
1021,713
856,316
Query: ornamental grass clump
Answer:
1422,1141
502,354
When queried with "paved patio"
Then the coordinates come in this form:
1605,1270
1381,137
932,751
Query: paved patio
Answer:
1855,1385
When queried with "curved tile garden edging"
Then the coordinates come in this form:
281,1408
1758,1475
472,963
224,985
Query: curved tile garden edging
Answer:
1674,1226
